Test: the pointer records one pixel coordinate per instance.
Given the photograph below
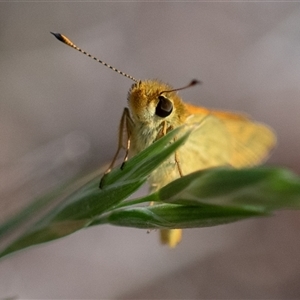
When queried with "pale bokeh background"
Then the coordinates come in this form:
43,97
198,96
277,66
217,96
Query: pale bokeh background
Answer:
59,113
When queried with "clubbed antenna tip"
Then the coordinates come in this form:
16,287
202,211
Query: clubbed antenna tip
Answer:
192,83
68,42
57,35
195,81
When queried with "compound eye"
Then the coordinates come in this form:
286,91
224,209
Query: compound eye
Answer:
164,107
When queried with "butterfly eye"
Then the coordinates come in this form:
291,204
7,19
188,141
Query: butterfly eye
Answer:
164,107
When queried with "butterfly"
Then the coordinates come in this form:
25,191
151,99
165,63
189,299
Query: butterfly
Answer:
220,139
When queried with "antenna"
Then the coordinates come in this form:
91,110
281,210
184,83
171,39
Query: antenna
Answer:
192,83
68,42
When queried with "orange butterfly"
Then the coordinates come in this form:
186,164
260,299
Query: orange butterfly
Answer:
221,139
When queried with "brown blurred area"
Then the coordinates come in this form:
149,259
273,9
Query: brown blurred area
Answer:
59,115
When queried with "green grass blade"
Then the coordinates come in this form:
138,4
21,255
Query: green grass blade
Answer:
176,216
79,206
260,188
212,197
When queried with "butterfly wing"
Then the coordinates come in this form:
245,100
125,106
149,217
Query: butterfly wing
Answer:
221,139
224,139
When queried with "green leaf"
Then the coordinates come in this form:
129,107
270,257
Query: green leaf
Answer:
176,216
212,197
259,188
73,207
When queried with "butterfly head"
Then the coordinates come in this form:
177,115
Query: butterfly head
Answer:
152,101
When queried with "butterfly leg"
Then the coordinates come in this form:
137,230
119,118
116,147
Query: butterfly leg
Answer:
127,123
177,162
124,128
165,129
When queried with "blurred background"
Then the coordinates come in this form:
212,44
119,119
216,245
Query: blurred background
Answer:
59,116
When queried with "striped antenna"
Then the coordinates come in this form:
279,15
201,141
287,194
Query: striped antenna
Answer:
66,41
